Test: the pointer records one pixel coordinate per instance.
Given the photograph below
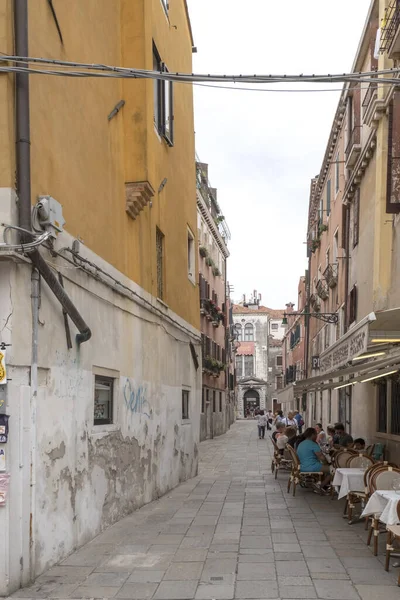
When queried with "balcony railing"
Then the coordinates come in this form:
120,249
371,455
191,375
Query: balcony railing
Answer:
389,32
322,290
353,148
331,275
369,97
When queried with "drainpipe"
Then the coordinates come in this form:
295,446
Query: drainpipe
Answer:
35,293
347,270
23,162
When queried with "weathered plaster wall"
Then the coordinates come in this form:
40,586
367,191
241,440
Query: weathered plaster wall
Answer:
85,476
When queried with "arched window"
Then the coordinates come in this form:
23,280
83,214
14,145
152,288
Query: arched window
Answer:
249,333
239,332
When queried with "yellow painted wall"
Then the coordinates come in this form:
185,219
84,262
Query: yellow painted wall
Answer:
7,138
83,160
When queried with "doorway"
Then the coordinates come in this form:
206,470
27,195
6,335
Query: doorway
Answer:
251,401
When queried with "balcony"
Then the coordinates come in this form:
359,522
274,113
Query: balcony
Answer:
390,38
322,290
331,275
369,102
353,148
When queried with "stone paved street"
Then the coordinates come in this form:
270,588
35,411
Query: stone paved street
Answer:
233,532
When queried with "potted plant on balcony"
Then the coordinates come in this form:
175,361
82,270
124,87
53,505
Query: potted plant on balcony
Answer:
322,228
216,271
209,262
315,244
205,307
203,251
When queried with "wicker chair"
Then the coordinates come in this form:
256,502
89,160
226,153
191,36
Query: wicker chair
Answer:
339,460
360,497
393,535
381,479
359,460
279,461
300,477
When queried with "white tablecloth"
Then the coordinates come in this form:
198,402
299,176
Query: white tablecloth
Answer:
349,480
384,503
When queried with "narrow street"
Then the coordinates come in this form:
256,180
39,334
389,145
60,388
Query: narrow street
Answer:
232,532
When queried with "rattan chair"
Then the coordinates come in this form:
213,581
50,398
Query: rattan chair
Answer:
279,461
381,479
361,497
339,459
393,535
300,477
359,460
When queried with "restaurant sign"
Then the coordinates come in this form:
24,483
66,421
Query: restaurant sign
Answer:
344,351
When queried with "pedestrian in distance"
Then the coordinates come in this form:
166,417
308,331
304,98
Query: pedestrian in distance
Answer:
290,421
299,420
261,423
279,417
270,418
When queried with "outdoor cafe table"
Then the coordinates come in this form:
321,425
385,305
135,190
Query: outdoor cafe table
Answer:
349,480
383,503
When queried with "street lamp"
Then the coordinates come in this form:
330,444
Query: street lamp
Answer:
326,317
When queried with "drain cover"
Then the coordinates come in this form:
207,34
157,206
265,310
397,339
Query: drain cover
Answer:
216,578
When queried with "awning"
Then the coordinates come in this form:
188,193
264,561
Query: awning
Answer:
361,339
246,349
286,395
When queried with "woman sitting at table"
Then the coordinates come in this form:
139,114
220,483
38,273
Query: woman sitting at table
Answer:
312,459
321,436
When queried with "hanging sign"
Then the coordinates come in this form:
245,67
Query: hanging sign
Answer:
4,481
2,459
3,372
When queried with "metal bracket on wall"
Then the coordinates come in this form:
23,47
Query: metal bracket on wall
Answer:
53,12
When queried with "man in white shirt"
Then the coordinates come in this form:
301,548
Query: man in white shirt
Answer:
290,421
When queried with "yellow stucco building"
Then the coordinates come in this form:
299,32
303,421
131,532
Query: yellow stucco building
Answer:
108,421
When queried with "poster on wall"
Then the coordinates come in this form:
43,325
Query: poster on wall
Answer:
4,481
2,459
3,372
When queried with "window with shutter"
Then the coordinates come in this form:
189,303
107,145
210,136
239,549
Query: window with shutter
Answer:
353,305
356,218
328,197
393,159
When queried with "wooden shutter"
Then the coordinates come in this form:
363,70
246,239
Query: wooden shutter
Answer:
393,160
328,197
356,218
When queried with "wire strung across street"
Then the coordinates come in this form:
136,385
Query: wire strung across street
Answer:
388,76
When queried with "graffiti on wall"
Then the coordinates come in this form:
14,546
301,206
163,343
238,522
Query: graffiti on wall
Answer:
135,397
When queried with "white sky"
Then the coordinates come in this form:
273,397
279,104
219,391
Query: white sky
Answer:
264,148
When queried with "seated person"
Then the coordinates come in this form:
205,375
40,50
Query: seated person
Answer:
331,434
359,445
311,458
281,440
279,429
342,439
291,434
321,435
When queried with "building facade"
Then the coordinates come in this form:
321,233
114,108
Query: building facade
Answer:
255,377
353,252
293,352
100,322
213,235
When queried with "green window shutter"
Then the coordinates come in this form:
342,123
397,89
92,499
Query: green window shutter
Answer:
328,198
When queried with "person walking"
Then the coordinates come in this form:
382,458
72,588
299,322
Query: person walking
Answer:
261,423
299,420
270,418
279,417
290,421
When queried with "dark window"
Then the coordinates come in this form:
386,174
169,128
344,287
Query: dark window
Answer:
353,305
203,400
344,226
185,404
103,400
160,263
274,326
392,191
239,366
158,87
220,402
395,409
214,401
328,197
382,405
163,101
356,218
279,360
239,331
249,333
279,382
248,366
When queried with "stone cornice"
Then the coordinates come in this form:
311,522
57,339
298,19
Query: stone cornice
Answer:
201,205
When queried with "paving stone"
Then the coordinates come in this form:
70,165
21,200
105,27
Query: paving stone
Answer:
293,580
64,590
145,576
215,592
137,591
372,577
318,552
191,555
334,589
373,592
292,568
292,548
256,589
247,541
95,591
249,572
260,559
176,590
330,565
294,591
184,571
106,579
